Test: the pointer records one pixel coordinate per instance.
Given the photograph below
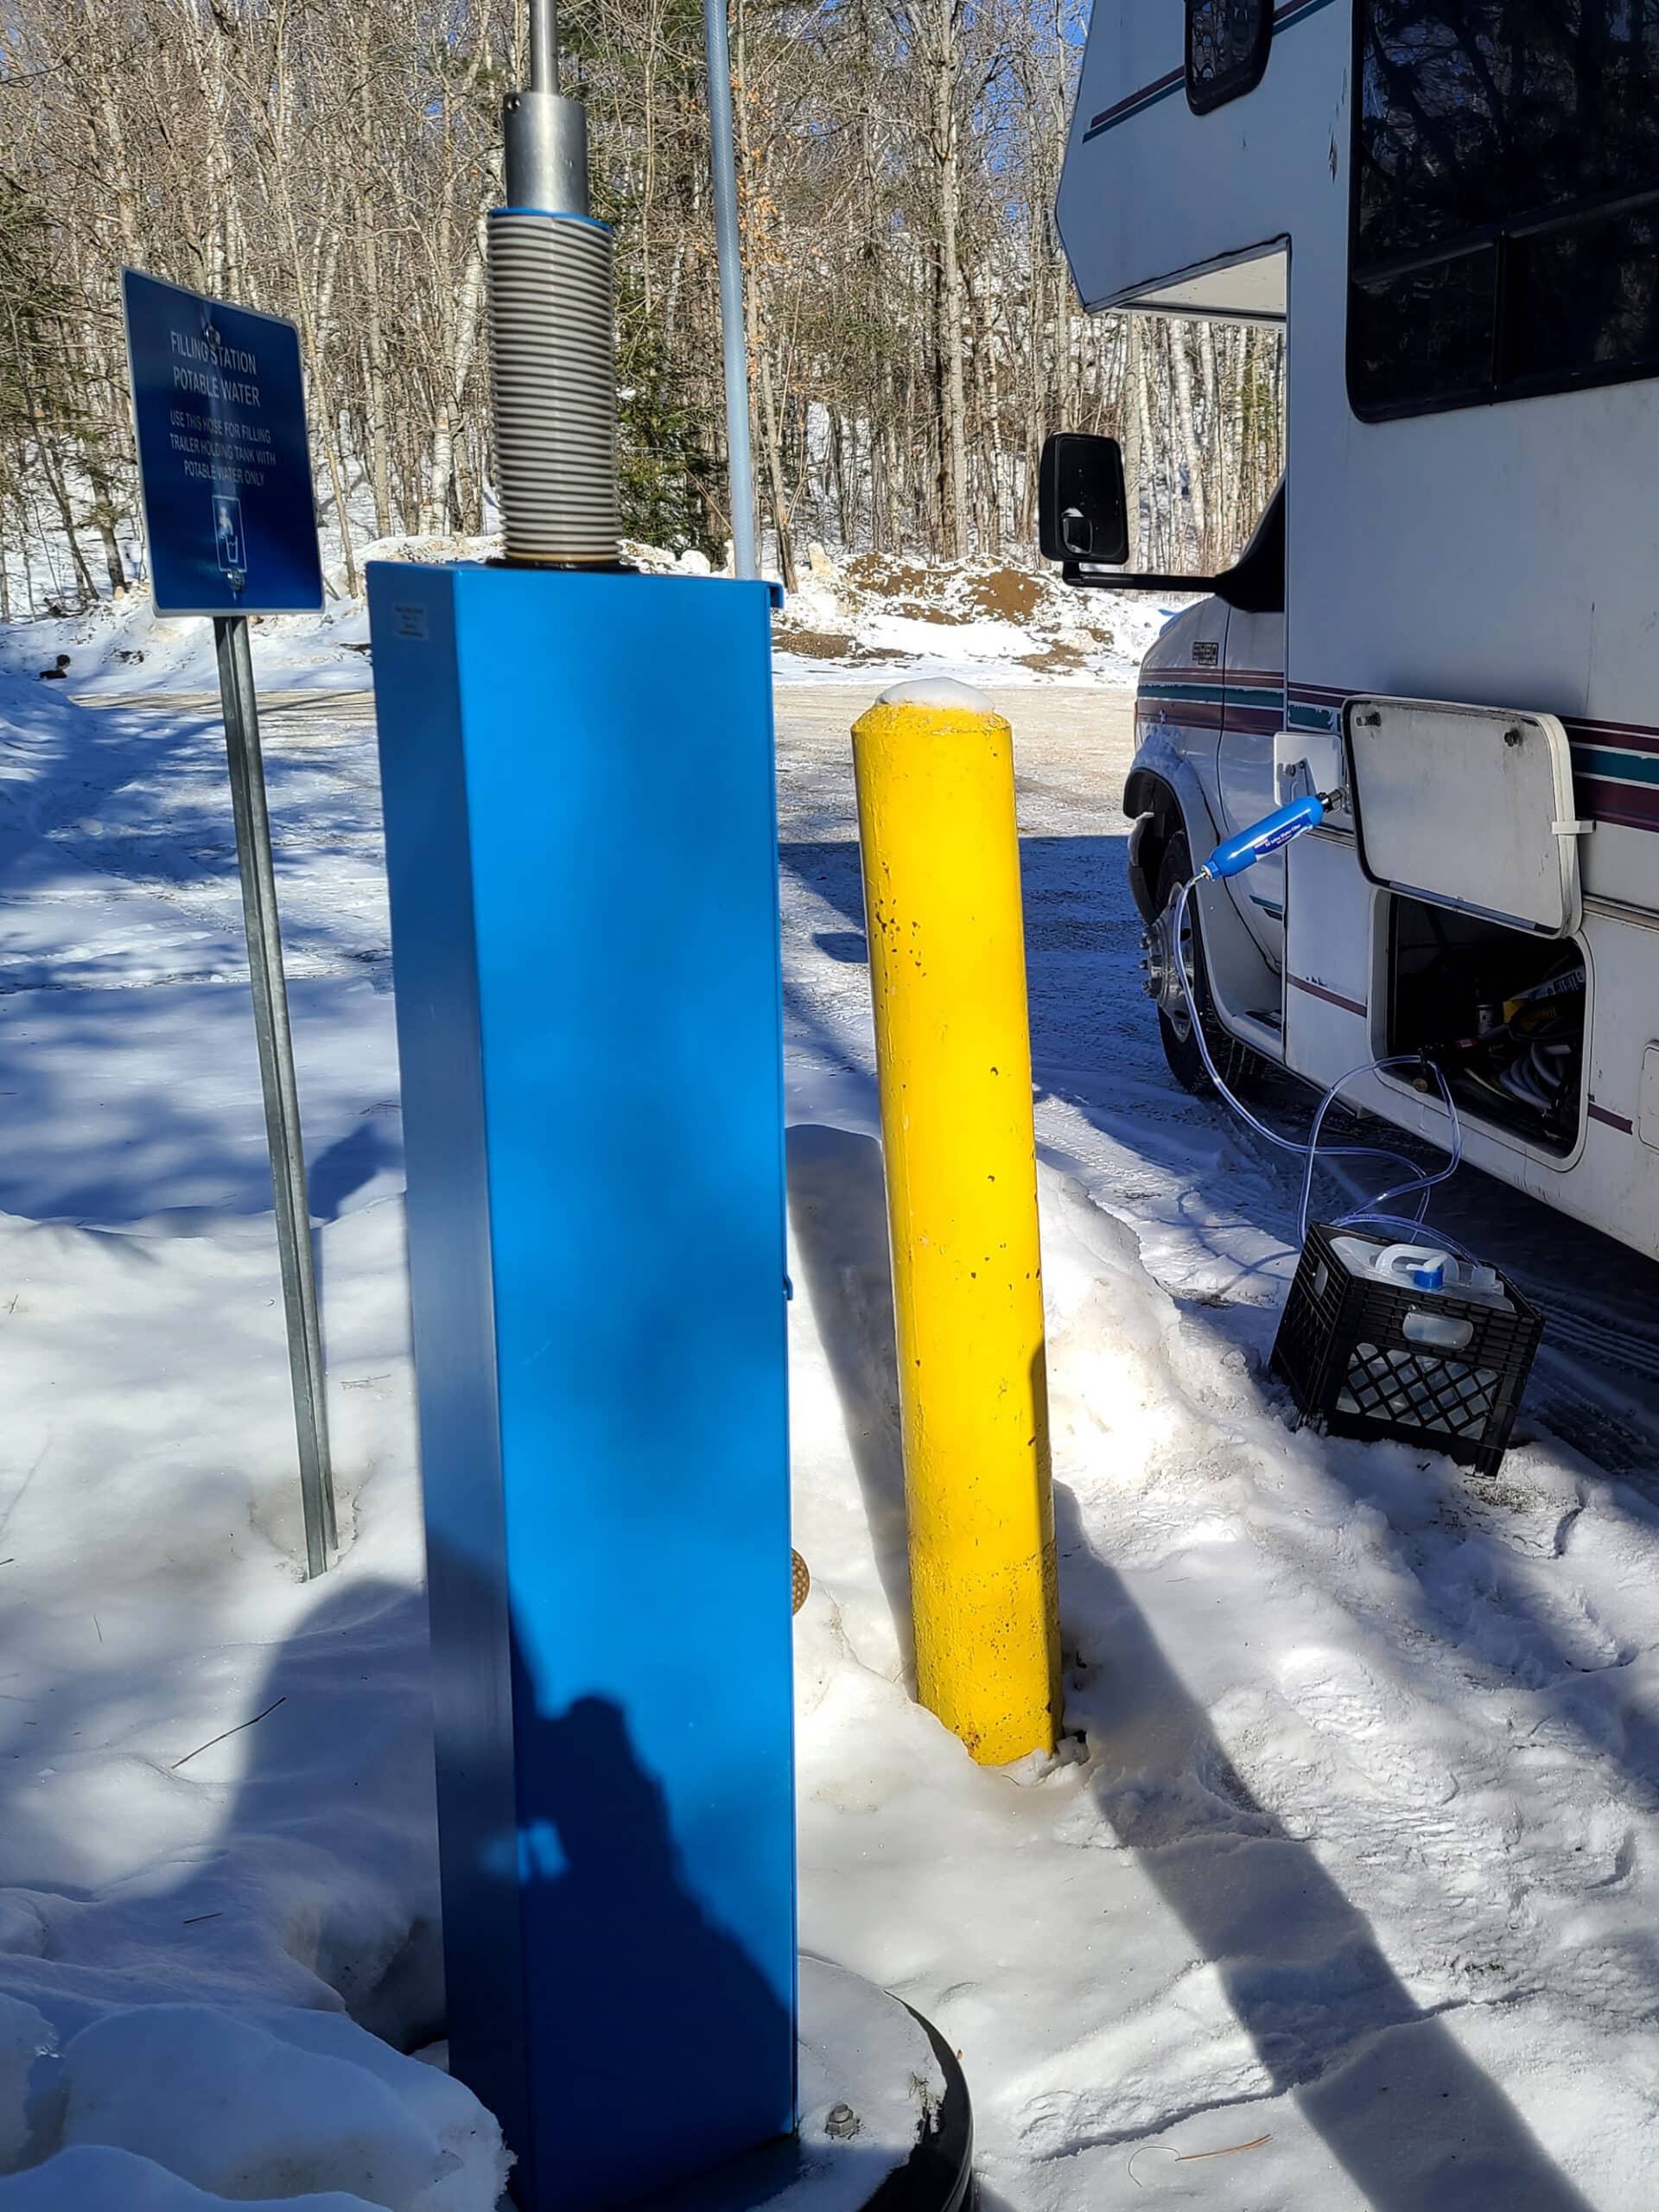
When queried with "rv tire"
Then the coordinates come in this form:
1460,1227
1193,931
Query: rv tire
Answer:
1238,1066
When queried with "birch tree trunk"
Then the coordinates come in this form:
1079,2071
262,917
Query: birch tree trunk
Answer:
1136,442
463,344
1197,529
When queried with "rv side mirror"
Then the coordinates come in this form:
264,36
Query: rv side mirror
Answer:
1082,514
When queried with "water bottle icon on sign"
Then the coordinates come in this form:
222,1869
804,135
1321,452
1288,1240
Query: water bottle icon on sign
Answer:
227,539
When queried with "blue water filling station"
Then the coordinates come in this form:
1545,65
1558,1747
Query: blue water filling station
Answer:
577,769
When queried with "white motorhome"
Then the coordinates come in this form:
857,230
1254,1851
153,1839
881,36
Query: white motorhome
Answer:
1451,615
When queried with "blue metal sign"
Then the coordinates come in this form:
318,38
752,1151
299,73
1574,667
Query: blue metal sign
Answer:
219,402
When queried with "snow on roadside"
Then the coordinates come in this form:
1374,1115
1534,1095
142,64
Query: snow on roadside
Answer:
869,615
125,646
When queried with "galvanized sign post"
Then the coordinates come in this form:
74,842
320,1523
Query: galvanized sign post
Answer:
230,524
739,467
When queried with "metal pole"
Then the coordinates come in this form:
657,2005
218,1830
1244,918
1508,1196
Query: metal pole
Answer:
277,1080
739,461
544,46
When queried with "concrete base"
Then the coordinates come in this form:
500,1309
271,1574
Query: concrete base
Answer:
886,2125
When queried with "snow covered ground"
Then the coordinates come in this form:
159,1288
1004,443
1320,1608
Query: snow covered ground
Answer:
1344,1893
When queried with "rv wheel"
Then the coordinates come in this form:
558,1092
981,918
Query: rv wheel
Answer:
1239,1066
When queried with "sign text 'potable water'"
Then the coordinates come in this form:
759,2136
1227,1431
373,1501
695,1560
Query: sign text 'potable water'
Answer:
219,401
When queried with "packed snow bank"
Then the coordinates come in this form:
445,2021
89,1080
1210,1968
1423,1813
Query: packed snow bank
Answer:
299,2102
115,2181
177,2106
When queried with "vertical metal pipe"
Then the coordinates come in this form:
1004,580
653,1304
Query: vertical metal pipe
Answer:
544,46
741,461
279,1083
544,145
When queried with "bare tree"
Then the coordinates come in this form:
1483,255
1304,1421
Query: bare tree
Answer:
912,330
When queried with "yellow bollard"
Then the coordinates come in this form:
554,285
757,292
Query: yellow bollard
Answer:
941,861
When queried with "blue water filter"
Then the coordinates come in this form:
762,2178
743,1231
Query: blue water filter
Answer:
581,848
1242,850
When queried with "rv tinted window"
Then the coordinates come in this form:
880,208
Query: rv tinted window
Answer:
1227,43
1505,200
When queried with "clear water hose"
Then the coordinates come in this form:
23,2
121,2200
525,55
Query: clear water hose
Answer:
1373,1211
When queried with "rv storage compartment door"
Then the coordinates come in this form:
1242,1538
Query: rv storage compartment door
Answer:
1469,807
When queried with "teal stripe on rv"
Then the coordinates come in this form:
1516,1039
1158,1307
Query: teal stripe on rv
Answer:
1216,694
1604,764
1202,694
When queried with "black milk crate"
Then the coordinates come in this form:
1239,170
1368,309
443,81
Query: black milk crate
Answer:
1353,1352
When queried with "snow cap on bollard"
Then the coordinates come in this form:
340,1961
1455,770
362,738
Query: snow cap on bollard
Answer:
941,691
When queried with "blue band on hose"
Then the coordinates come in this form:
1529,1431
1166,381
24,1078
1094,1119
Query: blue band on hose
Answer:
555,215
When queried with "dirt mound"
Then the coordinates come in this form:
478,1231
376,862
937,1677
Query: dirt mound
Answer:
1055,659
1008,595
913,588
951,593
816,644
